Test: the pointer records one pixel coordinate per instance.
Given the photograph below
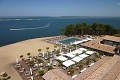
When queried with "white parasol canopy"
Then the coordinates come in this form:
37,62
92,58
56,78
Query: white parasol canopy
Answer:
31,77
68,63
31,71
17,60
43,54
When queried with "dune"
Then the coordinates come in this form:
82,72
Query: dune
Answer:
9,53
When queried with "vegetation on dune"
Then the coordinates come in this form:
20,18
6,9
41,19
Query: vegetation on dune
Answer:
94,29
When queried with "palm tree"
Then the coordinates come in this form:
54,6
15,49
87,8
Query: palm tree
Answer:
21,56
28,54
39,50
60,62
97,56
65,50
80,65
41,73
55,47
75,46
69,58
50,67
47,48
83,51
88,61
71,70
57,53
77,54
94,59
40,60
31,63
4,76
101,53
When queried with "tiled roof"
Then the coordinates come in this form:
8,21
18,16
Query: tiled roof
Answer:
111,38
90,70
95,44
103,70
56,74
109,70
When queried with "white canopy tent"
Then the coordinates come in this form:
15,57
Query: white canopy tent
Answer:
69,55
77,42
82,49
77,59
68,63
62,58
89,39
85,40
76,51
83,55
89,52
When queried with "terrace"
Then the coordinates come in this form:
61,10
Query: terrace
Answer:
70,60
30,68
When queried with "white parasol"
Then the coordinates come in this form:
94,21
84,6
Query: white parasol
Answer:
31,77
31,71
17,60
43,54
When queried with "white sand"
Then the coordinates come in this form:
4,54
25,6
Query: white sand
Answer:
9,53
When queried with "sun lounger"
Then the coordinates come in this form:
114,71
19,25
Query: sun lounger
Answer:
91,64
82,70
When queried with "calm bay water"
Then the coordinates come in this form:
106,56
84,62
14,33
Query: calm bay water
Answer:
18,29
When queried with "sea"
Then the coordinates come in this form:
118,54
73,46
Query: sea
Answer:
15,29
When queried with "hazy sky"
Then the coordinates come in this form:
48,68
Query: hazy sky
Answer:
59,7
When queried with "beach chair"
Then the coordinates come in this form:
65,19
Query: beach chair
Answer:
82,70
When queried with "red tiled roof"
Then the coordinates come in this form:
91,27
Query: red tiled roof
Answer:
95,44
111,38
56,74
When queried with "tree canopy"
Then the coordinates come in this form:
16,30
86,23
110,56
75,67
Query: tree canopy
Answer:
94,29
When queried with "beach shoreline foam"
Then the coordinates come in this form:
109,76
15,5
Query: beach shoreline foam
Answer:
9,53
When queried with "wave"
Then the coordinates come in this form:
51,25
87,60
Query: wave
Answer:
33,28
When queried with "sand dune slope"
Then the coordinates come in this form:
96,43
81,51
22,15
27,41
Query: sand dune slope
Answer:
9,53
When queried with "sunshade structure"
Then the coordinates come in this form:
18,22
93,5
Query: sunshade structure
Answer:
83,55
89,39
62,58
56,74
77,59
76,52
68,63
69,55
82,49
77,42
85,40
89,52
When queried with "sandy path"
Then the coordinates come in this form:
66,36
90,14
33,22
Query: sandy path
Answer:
9,53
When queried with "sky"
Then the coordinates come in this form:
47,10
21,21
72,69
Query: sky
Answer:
60,8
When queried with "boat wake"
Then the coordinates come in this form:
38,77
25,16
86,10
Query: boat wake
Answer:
33,28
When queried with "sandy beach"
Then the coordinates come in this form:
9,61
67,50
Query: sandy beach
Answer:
9,53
